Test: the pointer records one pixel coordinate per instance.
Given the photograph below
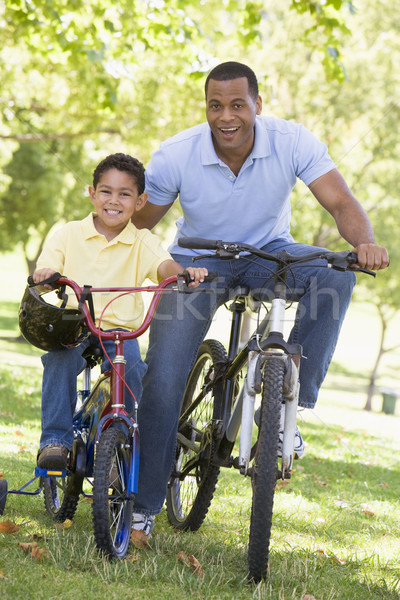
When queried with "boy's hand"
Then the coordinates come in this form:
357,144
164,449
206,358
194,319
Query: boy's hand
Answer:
41,275
197,275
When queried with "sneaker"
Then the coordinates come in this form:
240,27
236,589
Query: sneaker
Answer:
143,523
53,457
299,449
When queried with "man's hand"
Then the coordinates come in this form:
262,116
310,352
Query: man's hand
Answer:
372,256
197,275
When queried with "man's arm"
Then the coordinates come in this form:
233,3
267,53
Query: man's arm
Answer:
148,216
352,221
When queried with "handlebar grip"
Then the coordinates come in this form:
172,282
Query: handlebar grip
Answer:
211,277
49,280
207,279
195,243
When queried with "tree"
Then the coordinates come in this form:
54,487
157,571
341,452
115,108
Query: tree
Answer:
45,193
359,120
94,77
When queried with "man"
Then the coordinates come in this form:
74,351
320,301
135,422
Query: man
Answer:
234,175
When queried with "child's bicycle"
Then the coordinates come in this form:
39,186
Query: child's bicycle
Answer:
220,400
105,450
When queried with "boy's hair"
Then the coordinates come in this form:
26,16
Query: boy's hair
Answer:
122,162
234,70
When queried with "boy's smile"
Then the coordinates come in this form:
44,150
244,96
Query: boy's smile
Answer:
115,199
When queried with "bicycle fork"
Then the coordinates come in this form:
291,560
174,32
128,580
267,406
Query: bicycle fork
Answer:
273,345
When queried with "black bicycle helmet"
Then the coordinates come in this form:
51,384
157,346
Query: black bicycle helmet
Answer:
49,327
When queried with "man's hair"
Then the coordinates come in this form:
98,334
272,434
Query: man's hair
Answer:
233,70
122,162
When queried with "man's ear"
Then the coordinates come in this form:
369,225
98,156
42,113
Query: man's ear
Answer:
258,105
141,201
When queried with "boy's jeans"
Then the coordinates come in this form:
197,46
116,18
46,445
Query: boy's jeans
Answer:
59,389
180,325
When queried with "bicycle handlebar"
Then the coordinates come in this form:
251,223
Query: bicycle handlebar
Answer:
341,261
57,280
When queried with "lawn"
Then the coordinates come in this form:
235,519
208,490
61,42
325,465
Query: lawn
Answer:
336,529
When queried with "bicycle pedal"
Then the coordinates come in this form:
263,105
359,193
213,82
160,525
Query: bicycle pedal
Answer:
50,472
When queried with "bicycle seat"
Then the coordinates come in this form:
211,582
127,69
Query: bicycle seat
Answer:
93,355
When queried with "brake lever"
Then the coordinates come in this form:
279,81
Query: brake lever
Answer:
345,262
221,253
362,270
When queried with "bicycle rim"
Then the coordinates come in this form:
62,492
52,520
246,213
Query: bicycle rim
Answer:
112,509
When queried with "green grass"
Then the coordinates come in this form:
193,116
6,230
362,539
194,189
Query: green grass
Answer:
336,528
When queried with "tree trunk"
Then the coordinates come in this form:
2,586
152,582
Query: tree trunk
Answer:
381,352
31,262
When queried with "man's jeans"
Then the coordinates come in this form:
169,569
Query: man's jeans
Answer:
181,323
59,389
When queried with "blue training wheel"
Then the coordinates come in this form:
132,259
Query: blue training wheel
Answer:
3,494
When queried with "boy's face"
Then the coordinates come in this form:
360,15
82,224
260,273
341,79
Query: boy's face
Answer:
115,200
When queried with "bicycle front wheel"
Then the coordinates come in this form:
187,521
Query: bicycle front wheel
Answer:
192,484
264,469
112,508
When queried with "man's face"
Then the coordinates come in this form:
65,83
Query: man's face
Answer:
231,112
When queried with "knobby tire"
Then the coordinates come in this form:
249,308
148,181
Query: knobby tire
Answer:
188,500
112,508
264,471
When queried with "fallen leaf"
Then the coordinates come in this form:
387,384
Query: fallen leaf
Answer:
282,483
196,566
368,512
192,562
27,546
37,554
1,475
22,448
2,576
309,597
8,527
383,485
132,558
65,525
18,432
331,557
183,557
139,539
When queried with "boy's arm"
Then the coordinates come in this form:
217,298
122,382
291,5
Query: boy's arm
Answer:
170,267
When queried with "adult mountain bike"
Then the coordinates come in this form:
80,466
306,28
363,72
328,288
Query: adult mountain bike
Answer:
220,402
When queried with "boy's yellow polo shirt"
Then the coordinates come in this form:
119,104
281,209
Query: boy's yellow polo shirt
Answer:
79,252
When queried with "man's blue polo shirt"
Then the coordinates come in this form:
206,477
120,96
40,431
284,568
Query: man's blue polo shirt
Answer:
253,207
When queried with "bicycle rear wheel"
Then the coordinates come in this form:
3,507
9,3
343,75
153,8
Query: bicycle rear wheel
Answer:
58,503
112,508
264,470
61,494
192,484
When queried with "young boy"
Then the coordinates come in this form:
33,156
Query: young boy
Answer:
104,249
